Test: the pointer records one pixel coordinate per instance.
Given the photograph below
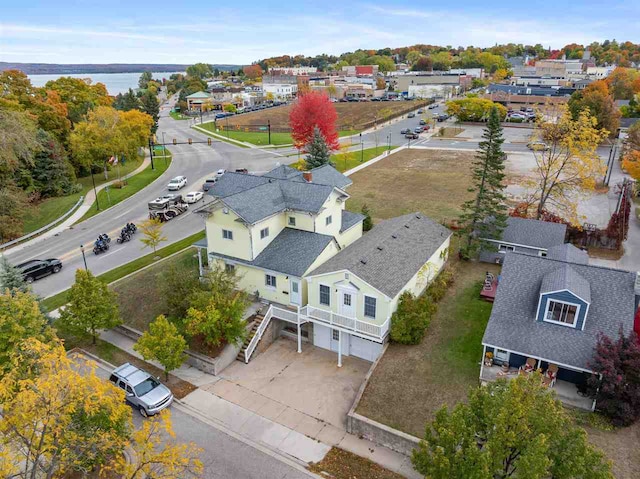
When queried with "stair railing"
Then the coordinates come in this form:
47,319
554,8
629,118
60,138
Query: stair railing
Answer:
259,332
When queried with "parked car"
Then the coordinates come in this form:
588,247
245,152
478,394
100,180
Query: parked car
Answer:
423,122
39,268
537,146
412,136
418,129
242,170
208,183
404,131
432,106
177,183
411,115
143,391
220,173
442,117
420,111
193,196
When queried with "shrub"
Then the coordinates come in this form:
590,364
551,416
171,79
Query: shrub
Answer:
119,184
411,319
440,284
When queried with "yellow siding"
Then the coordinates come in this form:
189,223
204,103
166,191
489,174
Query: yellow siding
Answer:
239,246
348,237
304,221
330,251
333,209
275,224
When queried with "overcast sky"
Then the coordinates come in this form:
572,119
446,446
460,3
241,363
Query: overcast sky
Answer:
189,31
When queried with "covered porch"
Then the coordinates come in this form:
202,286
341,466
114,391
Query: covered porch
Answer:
568,383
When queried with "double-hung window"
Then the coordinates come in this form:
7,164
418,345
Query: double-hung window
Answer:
264,233
562,313
270,280
292,221
369,307
227,234
325,295
328,220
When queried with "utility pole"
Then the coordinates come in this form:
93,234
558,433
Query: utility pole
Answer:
269,129
151,152
95,191
361,149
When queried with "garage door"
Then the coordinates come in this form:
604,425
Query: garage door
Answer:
365,349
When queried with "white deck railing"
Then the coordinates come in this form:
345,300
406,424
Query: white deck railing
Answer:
259,332
329,317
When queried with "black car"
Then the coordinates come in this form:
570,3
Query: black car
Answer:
404,131
38,268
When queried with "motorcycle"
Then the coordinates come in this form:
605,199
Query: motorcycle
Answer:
104,237
100,246
124,236
131,228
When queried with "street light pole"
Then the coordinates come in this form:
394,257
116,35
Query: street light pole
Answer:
84,258
361,149
95,191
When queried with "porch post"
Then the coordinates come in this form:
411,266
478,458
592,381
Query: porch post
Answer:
200,262
484,351
299,333
339,348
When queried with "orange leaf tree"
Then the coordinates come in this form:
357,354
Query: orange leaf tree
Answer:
631,163
312,110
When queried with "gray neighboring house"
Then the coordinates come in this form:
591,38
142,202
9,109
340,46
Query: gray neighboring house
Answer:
527,236
551,309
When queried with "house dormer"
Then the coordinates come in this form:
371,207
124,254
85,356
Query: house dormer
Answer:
565,297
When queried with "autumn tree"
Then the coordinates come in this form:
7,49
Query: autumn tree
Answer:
152,233
20,319
624,83
91,306
472,108
19,144
597,99
163,343
423,64
633,136
381,84
156,454
569,166
79,95
312,110
485,216
56,419
252,72
616,382
13,205
317,151
513,428
631,163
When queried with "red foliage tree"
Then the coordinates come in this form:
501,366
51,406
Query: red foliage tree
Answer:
618,392
314,109
252,72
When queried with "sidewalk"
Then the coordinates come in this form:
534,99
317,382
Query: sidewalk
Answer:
89,198
268,422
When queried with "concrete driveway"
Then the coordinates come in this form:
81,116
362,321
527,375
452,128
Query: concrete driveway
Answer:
293,389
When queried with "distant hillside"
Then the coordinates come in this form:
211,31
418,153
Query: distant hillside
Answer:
53,68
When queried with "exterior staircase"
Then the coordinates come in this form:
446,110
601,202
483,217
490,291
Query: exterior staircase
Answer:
250,334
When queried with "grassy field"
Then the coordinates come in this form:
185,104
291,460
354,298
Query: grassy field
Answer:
52,208
60,299
261,137
177,116
351,116
432,181
443,367
146,284
134,184
351,159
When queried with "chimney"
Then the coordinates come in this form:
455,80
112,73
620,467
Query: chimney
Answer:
308,176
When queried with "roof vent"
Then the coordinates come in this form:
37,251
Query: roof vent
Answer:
418,216
380,248
394,236
363,261
406,226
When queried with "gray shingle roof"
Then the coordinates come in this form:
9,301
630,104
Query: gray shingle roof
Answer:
350,219
292,252
389,255
563,278
527,232
257,197
569,253
513,325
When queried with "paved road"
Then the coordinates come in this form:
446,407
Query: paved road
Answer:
196,161
224,456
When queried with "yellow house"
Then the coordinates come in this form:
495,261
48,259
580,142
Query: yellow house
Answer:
293,244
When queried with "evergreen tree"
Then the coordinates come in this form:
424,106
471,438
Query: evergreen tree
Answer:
52,173
126,102
149,105
485,216
367,223
10,277
144,80
317,150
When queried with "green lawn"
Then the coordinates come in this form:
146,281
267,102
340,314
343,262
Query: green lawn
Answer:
60,299
351,159
52,208
177,115
134,184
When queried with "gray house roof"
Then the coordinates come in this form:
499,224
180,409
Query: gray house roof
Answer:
389,255
566,278
513,324
254,198
568,253
292,252
539,234
350,219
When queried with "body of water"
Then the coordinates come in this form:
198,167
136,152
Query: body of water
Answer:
115,82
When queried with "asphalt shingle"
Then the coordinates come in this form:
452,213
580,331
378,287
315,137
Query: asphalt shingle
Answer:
389,255
528,232
350,219
566,278
569,253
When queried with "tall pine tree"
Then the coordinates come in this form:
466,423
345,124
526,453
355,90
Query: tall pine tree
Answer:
317,150
485,216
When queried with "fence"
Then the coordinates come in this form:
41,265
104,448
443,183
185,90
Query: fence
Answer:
44,228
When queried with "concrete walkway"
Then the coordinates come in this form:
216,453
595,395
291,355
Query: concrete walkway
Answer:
268,422
87,203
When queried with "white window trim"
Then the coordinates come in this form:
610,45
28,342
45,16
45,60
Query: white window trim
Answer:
546,310
265,231
495,355
320,303
269,286
292,221
364,306
227,231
